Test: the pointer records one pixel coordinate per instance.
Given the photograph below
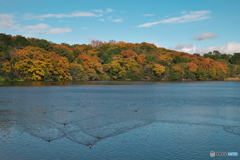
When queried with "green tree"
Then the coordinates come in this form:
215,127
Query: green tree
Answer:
21,42
235,59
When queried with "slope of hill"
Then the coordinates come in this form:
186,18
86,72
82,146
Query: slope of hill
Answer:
40,60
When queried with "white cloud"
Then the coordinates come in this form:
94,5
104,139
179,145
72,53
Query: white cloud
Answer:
189,48
75,14
103,11
114,20
101,20
148,24
6,22
183,12
190,17
29,35
57,31
28,16
229,48
43,29
148,15
98,10
157,44
117,20
85,28
203,36
38,26
109,10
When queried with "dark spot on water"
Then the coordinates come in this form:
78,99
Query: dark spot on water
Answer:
70,111
89,145
44,112
49,140
99,137
135,110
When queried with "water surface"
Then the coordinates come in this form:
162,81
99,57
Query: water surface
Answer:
119,120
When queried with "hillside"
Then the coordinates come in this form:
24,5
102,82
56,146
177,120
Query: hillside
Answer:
40,60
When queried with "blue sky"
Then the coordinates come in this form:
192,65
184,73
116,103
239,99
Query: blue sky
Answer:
193,26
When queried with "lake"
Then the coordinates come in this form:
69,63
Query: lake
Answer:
118,120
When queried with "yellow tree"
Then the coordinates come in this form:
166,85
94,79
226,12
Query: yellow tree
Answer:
167,58
31,69
92,65
122,68
35,63
156,68
6,67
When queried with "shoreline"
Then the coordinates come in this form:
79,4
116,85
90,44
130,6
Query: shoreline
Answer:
232,79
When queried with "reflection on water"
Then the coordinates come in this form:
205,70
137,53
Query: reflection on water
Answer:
85,125
87,114
34,83
67,83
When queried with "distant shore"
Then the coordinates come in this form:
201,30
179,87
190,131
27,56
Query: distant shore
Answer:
232,79
22,80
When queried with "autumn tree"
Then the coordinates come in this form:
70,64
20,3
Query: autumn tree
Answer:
33,63
38,59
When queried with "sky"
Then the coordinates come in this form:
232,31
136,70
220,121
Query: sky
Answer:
193,26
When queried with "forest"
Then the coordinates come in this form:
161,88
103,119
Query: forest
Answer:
31,59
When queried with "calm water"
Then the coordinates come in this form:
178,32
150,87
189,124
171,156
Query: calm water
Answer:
119,120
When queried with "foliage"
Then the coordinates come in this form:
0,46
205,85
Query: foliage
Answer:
40,60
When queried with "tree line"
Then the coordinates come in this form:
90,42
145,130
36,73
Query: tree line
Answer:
31,59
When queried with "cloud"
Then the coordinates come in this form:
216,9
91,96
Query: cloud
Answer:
6,22
42,29
57,31
109,10
101,20
148,24
190,17
85,28
184,12
29,16
148,15
98,10
157,44
229,48
102,11
117,20
113,20
75,14
203,36
38,26
29,35
189,48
